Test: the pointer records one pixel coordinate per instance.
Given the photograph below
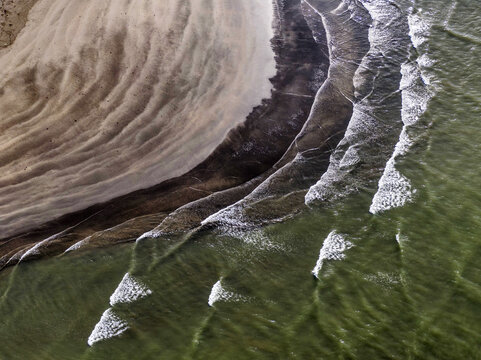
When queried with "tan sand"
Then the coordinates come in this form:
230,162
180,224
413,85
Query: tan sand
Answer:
13,16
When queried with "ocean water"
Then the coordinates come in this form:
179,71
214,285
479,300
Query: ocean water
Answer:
383,263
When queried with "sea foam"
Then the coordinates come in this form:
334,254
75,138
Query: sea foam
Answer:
129,290
78,245
229,217
35,250
219,293
110,325
395,189
152,234
333,249
366,129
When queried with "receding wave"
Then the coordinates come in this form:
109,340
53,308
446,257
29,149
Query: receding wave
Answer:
109,325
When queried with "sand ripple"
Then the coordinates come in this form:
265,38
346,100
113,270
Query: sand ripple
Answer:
100,98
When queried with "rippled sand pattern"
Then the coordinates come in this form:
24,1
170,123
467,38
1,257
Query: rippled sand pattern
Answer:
100,98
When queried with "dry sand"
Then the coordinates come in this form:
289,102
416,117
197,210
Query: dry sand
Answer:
13,16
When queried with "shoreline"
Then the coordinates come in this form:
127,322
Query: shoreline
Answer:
245,154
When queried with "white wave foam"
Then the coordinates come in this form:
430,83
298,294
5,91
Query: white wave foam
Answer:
35,250
425,64
415,95
382,14
400,238
78,245
394,189
110,325
149,234
350,158
333,249
230,221
362,127
419,28
230,216
218,293
129,290
384,279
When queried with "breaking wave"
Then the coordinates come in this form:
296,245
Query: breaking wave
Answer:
333,248
109,326
394,188
219,293
129,290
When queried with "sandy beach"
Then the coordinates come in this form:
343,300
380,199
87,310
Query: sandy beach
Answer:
99,99
237,160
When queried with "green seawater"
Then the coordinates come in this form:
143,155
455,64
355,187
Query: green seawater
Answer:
408,288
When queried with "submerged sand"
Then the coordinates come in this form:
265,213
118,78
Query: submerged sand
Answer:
101,98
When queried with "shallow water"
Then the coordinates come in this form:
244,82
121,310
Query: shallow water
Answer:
402,283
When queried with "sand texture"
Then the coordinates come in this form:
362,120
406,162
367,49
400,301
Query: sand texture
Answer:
13,16
102,98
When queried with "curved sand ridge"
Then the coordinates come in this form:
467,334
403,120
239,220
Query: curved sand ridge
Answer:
101,98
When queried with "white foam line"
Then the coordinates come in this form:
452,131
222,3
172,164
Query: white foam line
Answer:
35,250
218,293
333,249
149,234
394,189
230,221
129,290
78,245
110,325
230,216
